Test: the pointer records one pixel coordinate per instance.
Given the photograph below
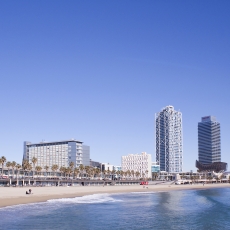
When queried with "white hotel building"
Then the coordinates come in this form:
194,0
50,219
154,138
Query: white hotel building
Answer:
59,153
138,162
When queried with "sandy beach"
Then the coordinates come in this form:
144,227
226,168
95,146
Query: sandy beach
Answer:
17,195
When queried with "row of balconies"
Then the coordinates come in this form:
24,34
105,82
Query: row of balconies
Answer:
47,148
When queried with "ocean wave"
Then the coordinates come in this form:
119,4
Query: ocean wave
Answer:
21,206
148,192
88,199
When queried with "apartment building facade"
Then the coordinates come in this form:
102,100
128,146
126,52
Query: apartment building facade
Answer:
59,153
139,163
169,143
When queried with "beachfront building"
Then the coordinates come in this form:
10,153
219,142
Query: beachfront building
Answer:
107,167
209,150
59,153
117,168
138,163
209,145
95,164
169,145
155,168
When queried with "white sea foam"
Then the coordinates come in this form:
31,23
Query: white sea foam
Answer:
88,199
21,206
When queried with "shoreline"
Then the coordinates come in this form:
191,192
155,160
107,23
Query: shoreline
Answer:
10,196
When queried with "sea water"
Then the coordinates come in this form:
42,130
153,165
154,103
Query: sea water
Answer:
186,209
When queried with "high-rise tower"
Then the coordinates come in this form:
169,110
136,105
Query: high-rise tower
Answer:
169,146
209,150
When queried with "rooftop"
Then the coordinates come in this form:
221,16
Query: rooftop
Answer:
52,142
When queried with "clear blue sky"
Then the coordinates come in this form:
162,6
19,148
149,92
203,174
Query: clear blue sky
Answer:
98,71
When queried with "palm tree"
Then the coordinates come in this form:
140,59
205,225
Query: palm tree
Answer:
125,174
62,170
142,175
34,161
46,168
97,172
38,169
25,166
132,173
18,166
13,165
113,171
146,174
93,171
118,173
76,172
68,171
8,165
71,164
137,174
122,174
155,176
2,162
81,167
87,169
71,172
129,173
54,168
108,172
90,172
30,169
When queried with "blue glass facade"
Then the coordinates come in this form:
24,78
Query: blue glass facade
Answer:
209,144
155,168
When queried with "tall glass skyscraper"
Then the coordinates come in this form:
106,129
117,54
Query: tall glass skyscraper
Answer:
209,150
169,146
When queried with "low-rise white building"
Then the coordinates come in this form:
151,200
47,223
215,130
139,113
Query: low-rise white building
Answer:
117,168
155,167
139,163
106,166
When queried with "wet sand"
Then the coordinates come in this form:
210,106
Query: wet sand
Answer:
17,195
